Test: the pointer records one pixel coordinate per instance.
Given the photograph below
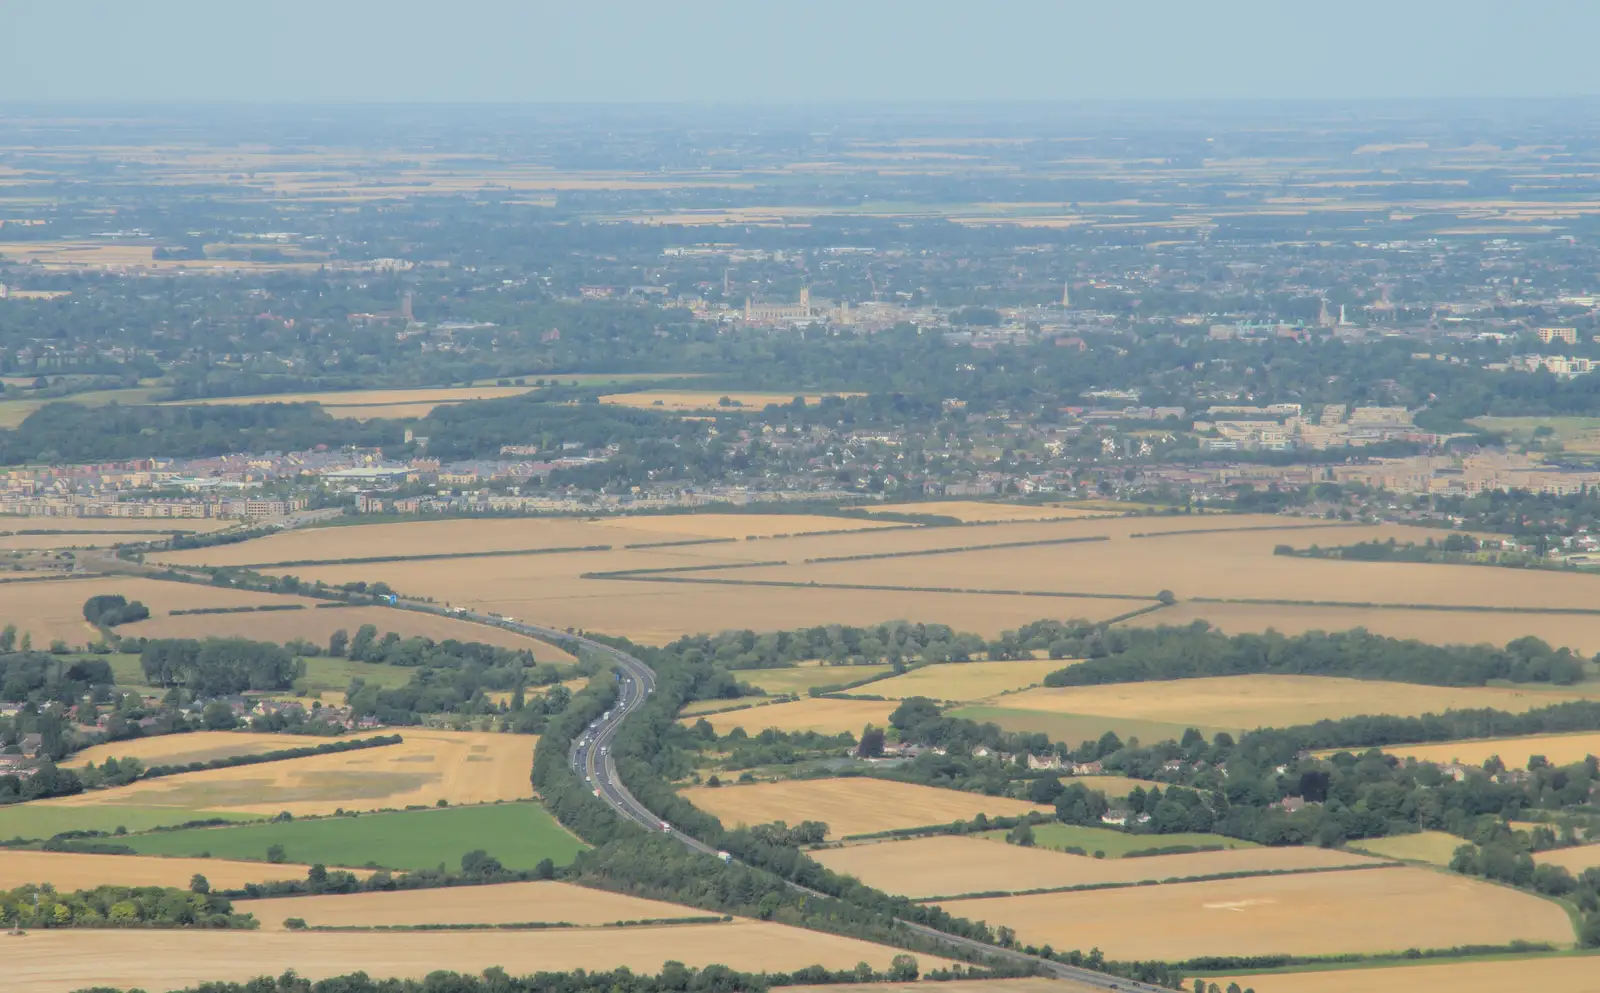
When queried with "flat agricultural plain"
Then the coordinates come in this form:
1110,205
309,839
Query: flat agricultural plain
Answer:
181,749
850,806
54,610
1514,752
427,766
58,961
1243,703
925,868
959,681
983,579
1545,974
70,871
1325,913
824,716
502,903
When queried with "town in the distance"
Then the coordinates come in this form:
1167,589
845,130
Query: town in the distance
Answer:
523,550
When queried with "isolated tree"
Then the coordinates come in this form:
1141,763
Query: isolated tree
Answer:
276,854
338,643
199,884
871,746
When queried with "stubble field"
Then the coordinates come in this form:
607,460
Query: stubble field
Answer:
1560,749
1574,860
181,749
59,961
966,680
800,678
502,903
850,806
427,766
950,866
1565,974
1243,703
1434,847
1327,913
823,716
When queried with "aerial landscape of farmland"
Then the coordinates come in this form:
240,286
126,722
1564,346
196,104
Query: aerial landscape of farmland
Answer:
826,498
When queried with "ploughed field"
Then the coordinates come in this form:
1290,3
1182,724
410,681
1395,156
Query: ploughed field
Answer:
850,806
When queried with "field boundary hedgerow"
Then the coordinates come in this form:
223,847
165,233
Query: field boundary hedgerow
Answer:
680,543
662,570
958,549
1255,965
266,607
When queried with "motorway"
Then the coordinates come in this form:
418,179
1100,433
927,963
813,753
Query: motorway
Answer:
590,757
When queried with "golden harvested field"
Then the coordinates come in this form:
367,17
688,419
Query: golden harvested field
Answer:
1579,632
1435,847
181,749
966,680
67,871
1220,561
973,511
369,398
1544,974
59,961
1379,910
316,625
800,678
949,866
1573,859
820,715
55,610
707,399
503,903
850,806
1249,702
429,765
1514,752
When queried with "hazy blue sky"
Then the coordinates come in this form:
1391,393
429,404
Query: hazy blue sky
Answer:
743,51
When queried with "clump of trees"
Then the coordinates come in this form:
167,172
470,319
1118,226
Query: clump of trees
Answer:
219,666
110,609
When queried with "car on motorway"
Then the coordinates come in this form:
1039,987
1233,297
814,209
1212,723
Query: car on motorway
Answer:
597,792
666,828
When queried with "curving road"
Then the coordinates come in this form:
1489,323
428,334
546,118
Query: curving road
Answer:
590,757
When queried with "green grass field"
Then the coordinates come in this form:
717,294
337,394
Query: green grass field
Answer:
1434,847
1115,843
1074,728
323,675
518,834
801,678
42,820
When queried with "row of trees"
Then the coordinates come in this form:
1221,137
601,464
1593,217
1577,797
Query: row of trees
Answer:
42,906
1130,655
